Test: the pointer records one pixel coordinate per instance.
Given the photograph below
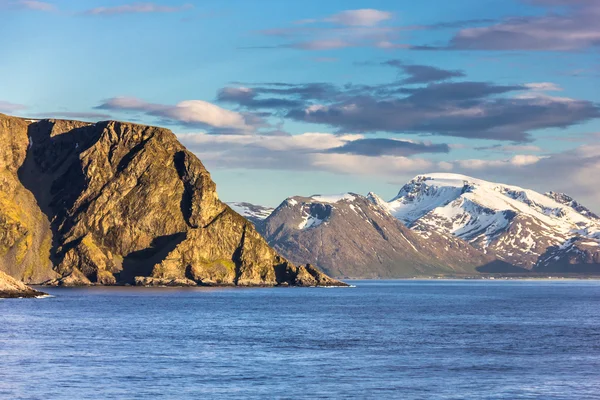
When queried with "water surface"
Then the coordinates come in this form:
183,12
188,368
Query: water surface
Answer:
382,339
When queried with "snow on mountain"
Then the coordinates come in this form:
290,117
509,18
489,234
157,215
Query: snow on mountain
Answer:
520,226
252,212
438,223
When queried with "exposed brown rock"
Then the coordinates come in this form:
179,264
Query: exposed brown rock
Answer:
128,204
25,236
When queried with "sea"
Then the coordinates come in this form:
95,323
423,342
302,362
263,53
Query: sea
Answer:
406,339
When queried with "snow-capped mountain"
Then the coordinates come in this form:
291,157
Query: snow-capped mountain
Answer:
545,232
437,224
252,212
349,235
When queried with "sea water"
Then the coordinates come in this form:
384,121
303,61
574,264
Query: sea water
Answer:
381,339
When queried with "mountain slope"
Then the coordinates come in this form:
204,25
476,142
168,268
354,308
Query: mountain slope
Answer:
352,236
550,232
129,204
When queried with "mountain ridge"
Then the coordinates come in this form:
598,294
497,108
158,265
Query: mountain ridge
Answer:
350,236
514,230
521,226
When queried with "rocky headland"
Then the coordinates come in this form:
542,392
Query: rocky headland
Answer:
119,203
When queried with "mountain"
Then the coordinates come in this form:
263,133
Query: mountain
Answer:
540,232
350,235
12,288
115,203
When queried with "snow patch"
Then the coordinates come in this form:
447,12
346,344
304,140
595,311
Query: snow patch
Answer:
309,221
332,199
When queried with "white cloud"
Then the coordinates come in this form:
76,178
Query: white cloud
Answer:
137,8
199,111
519,160
307,151
190,112
543,87
373,166
363,17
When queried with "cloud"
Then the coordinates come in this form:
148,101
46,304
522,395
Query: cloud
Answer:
8,107
468,109
248,97
365,165
575,29
572,172
276,95
423,73
353,28
74,115
350,28
519,160
543,87
512,148
391,147
196,113
322,44
464,109
311,151
363,17
28,5
137,8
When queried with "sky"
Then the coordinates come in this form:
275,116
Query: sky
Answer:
283,98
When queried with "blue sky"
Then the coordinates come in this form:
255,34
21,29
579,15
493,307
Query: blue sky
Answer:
282,98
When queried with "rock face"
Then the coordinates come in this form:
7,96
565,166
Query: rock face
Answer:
354,236
126,203
533,231
12,288
25,236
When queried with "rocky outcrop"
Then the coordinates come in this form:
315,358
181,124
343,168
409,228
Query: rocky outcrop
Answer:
126,203
12,288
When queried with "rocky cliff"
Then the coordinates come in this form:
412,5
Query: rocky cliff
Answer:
113,202
25,236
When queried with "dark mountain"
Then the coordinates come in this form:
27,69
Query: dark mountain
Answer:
352,236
